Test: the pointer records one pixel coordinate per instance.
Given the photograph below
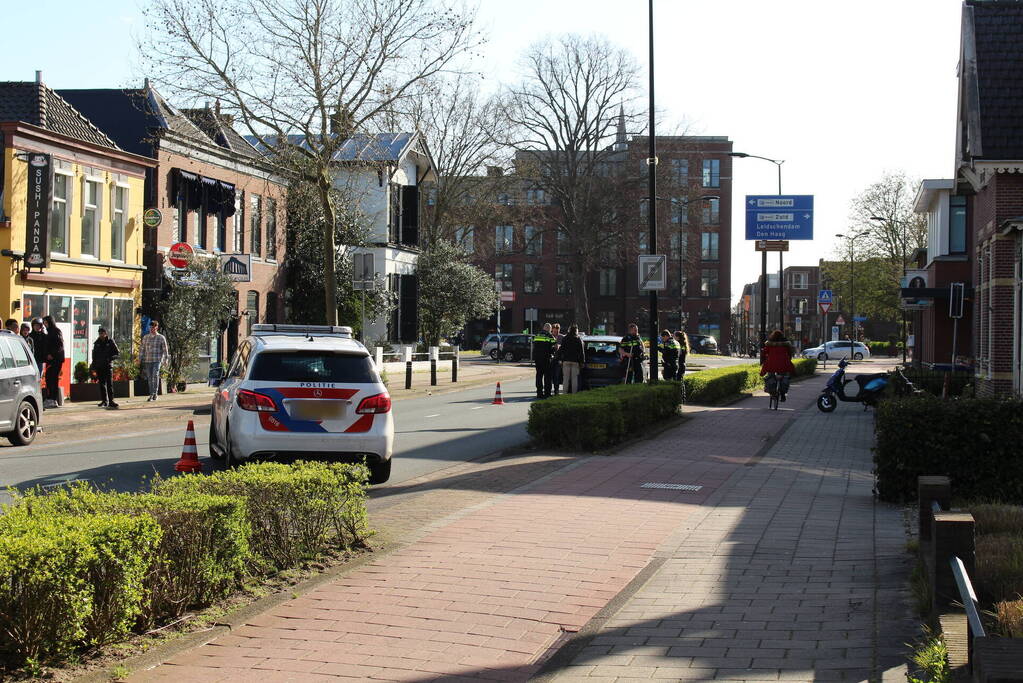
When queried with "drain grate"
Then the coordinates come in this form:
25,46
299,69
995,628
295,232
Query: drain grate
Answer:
691,488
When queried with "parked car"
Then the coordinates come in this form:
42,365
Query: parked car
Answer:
493,343
603,364
835,350
516,347
302,391
702,343
21,395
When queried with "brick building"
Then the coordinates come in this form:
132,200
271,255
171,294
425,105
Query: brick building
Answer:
212,191
989,176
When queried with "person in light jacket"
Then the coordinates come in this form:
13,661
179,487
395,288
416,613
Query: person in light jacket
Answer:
153,353
572,357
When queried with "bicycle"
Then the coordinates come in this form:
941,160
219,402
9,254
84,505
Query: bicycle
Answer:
776,386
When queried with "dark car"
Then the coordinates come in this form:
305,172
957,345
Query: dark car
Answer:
603,364
702,343
517,347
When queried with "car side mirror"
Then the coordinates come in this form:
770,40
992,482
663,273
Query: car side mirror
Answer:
216,375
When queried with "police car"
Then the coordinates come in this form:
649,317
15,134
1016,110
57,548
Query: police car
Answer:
302,392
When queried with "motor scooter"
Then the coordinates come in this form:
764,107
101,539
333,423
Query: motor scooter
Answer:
868,389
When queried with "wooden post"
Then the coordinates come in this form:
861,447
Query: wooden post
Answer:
929,489
952,533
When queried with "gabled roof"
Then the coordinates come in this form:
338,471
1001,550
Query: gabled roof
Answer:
364,147
991,80
217,127
36,104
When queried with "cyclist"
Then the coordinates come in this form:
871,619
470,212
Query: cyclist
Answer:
776,359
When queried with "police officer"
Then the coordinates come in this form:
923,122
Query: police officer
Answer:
632,354
543,352
669,348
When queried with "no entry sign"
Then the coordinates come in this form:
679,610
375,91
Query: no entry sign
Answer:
180,254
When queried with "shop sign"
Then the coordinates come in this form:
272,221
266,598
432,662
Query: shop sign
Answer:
37,228
180,254
237,267
152,218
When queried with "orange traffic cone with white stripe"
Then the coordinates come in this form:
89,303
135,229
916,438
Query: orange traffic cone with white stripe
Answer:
498,401
189,455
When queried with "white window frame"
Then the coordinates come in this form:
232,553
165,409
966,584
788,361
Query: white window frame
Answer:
464,238
70,185
533,238
98,208
123,212
504,239
800,280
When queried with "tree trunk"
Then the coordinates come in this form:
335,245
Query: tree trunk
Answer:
329,251
581,299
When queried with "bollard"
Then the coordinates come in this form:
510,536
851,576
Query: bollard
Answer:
931,488
433,372
378,357
454,366
408,374
952,533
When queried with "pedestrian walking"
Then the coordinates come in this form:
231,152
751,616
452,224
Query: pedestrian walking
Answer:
632,354
38,335
26,333
683,351
669,350
54,363
776,358
572,357
153,353
543,352
104,351
556,376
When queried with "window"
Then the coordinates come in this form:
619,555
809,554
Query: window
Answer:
563,279
503,277
503,239
118,205
711,173
679,212
313,366
679,241
644,209
680,171
221,228
431,196
464,239
272,306
33,305
534,240
91,214
237,241
711,211
504,199
957,224
709,246
251,310
21,358
562,243
271,228
603,323
255,225
608,282
59,217
200,227
535,196
181,218
643,241
708,282
532,280
799,280
6,356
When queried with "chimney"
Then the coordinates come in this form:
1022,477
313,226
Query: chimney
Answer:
39,77
494,171
206,105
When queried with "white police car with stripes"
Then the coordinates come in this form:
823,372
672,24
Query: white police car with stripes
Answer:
302,392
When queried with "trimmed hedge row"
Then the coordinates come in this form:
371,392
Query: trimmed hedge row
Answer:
81,567
975,442
599,418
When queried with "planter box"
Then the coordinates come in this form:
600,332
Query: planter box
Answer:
123,389
85,391
142,387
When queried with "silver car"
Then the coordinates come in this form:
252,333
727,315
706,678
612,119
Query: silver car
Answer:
21,396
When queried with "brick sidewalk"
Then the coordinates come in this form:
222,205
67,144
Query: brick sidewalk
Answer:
493,590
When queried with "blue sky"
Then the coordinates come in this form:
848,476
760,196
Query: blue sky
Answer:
842,91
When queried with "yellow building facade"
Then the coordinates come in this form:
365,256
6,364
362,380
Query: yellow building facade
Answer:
71,232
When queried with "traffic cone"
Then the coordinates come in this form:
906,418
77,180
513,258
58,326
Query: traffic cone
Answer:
498,401
189,455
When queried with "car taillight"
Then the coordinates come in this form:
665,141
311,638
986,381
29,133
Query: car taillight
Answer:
250,400
381,403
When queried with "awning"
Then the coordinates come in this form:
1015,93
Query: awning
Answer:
212,195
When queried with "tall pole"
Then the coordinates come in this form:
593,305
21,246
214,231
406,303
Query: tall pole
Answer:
901,304
852,291
652,204
763,297
781,271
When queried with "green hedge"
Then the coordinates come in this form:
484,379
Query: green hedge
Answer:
602,417
975,442
719,384
880,348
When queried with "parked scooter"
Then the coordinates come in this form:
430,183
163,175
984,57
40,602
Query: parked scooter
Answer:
868,389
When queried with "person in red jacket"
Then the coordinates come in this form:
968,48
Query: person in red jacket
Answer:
776,357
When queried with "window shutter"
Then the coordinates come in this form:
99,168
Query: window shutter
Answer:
410,215
408,308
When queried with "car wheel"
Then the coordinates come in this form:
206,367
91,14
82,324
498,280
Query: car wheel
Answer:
215,453
509,356
857,356
822,356
826,403
26,425
493,354
379,472
230,459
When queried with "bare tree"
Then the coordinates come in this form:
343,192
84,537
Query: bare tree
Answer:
303,76
883,214
561,120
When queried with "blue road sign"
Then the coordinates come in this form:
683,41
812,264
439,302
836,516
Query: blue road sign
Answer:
779,217
860,318
824,296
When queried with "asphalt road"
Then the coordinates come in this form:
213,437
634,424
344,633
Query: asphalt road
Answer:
431,434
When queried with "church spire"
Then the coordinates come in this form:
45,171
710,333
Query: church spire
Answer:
620,138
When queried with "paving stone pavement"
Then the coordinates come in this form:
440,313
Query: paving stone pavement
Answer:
774,569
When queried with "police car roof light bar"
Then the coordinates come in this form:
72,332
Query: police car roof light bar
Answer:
304,330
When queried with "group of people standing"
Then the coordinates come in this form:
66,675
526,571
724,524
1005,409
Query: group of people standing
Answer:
672,347
46,343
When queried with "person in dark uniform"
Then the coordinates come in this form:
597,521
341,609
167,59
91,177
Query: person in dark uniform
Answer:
39,342
543,351
669,349
632,354
683,351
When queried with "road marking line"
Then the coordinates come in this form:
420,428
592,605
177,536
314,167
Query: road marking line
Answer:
478,408
437,415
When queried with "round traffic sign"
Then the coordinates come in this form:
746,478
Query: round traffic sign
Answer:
180,254
152,218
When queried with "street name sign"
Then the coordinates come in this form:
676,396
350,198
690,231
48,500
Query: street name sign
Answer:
653,272
772,245
779,217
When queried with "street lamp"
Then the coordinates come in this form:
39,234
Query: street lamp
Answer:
852,286
763,260
896,221
684,204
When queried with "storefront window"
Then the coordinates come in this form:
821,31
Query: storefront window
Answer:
102,316
123,318
33,306
60,308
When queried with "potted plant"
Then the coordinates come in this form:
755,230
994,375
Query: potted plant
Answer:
125,372
83,389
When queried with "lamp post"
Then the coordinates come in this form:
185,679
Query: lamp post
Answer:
895,221
852,286
652,212
684,204
763,260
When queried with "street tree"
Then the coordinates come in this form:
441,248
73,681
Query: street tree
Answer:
452,291
196,309
560,119
303,76
883,214
869,281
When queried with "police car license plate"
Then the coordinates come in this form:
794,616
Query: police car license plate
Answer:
316,410
596,366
